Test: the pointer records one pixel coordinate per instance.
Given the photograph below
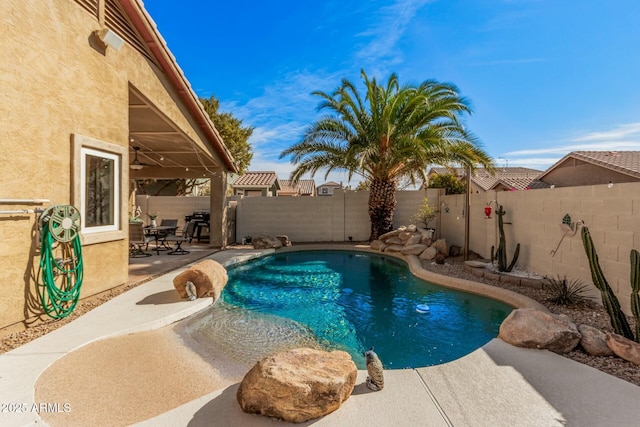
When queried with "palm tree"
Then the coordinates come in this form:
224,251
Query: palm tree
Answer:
393,134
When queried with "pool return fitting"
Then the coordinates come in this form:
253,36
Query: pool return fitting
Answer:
60,278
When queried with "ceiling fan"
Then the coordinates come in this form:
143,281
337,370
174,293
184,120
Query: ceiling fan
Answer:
137,164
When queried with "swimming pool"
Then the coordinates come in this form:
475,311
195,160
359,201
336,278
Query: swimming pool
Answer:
349,301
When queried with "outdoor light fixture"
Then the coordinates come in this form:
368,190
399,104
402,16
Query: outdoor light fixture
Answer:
136,164
109,38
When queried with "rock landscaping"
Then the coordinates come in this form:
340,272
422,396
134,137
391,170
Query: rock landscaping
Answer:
298,385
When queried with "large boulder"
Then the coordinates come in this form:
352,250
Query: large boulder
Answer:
284,239
531,328
298,385
394,248
389,234
594,341
208,276
624,348
441,246
266,242
416,249
377,245
394,240
429,253
414,239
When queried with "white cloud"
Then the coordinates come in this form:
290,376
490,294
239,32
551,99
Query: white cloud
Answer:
389,26
622,131
621,138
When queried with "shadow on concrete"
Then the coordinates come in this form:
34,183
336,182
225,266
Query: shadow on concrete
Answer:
166,297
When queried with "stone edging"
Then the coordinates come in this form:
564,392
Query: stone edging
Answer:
506,278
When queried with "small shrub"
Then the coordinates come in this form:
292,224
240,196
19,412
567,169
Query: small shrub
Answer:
426,213
566,292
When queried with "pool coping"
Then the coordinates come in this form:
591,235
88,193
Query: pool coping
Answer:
565,386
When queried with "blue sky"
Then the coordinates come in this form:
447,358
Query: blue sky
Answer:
544,77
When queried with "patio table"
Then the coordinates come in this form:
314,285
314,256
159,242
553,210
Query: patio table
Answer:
159,233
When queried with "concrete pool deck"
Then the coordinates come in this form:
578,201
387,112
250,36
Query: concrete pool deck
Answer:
496,385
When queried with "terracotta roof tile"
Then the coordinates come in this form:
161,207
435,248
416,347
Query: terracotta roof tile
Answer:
514,177
256,179
306,186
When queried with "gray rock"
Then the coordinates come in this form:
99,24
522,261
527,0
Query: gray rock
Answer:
266,242
531,328
594,341
284,240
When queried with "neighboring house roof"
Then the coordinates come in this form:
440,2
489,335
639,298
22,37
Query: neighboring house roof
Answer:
158,47
257,180
330,184
624,162
515,178
305,187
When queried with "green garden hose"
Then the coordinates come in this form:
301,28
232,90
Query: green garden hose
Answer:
59,300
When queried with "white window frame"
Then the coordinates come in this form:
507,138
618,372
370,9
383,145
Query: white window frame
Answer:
83,146
85,151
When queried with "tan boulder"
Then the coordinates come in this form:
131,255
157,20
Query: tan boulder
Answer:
429,253
284,239
412,228
414,239
441,246
208,276
594,341
394,248
377,245
531,328
413,249
395,240
405,235
624,348
298,385
389,234
266,242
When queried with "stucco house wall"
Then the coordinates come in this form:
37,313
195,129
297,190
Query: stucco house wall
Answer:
56,86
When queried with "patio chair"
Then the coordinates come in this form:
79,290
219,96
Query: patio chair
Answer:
185,236
169,223
138,239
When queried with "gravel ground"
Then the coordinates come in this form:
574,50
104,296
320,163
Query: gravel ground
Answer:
590,314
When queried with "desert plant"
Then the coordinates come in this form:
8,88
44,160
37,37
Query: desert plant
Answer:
566,292
501,254
426,213
611,304
635,287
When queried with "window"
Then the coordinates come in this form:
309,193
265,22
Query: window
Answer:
100,206
325,190
98,186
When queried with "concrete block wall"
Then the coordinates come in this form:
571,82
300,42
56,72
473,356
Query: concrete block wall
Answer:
317,219
169,207
533,219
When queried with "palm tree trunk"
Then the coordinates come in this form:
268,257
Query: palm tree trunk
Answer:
382,204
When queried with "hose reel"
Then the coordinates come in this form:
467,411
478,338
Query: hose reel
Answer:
61,265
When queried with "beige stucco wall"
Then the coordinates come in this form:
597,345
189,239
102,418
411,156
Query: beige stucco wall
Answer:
533,219
54,85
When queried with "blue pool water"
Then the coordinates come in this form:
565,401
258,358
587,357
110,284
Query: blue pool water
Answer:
350,301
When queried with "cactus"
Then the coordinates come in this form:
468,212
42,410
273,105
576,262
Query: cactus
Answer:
501,254
635,287
609,300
